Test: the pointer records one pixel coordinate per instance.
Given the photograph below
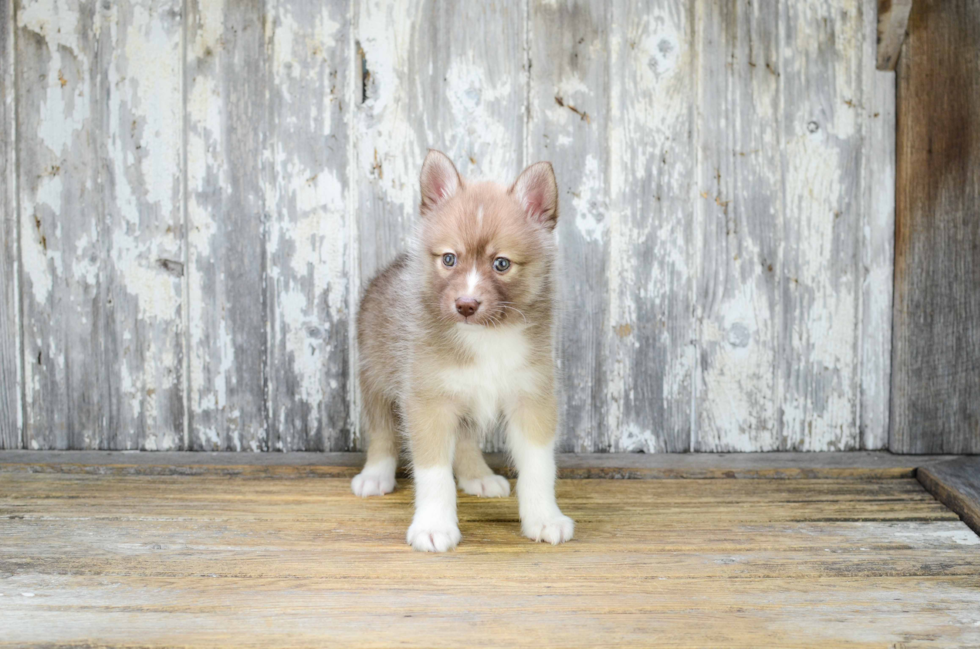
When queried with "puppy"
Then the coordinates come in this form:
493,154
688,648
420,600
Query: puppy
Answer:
455,335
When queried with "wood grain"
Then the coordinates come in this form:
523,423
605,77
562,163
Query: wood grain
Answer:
213,561
140,64
650,334
821,79
10,322
191,278
228,170
956,484
568,124
308,267
61,142
893,18
936,343
877,245
740,213
101,223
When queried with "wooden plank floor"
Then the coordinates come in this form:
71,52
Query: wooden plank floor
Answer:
219,560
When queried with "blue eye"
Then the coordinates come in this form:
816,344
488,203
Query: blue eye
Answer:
449,259
501,264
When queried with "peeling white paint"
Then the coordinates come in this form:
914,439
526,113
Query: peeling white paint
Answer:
55,20
210,27
650,119
589,202
153,91
288,59
738,391
391,154
633,205
35,255
475,102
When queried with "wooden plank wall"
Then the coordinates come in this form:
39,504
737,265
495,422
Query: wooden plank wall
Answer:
936,383
206,186
10,374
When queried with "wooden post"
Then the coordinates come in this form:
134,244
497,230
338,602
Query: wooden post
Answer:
935,400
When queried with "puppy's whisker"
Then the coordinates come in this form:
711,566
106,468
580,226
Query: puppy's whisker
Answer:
515,309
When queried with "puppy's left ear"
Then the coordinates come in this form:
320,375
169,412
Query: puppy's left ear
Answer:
537,192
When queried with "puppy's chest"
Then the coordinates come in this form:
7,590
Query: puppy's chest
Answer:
499,369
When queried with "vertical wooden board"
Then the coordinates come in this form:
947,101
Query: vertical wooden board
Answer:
444,76
568,125
935,404
877,243
308,236
227,126
650,329
739,214
821,46
388,147
61,230
141,63
892,22
10,369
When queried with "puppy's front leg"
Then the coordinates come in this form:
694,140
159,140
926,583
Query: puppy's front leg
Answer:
431,424
531,438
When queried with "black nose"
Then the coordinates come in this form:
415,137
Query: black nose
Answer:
466,306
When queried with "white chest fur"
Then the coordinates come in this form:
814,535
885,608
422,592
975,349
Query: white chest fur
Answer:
499,371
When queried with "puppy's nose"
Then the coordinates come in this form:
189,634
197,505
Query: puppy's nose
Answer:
466,306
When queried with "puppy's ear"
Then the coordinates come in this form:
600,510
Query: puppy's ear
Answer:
537,192
439,180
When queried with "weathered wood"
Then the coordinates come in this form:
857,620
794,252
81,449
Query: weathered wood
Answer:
854,464
820,74
140,63
443,76
302,130
210,561
60,146
10,322
385,177
877,244
568,124
228,170
935,405
650,333
100,182
956,484
740,213
893,19
308,269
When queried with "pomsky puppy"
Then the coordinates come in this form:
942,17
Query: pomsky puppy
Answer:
456,335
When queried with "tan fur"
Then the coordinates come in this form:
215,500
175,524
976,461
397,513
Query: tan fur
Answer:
422,362
468,461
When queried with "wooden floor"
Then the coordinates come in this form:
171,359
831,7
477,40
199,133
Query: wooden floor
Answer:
219,560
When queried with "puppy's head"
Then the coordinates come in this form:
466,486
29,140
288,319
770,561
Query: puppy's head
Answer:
488,249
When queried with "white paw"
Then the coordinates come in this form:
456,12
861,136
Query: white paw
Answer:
555,529
375,479
433,533
490,486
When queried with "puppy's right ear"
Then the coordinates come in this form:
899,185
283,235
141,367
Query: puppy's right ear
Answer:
439,181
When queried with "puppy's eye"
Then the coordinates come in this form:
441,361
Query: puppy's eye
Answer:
501,264
449,260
